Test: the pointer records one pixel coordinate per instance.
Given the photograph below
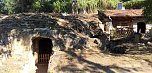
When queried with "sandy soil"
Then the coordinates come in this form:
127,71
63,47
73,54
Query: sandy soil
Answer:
96,62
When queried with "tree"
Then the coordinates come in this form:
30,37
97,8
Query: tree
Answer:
148,10
15,6
134,4
9,6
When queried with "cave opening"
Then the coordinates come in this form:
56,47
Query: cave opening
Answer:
42,50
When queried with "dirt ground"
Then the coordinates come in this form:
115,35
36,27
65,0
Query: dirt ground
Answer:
42,68
95,62
90,62
121,64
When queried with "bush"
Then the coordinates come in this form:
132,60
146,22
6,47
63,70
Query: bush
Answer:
148,11
1,8
9,6
112,4
134,4
57,6
94,5
62,6
46,7
37,5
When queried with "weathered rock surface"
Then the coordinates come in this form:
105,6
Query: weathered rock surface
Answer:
74,50
66,32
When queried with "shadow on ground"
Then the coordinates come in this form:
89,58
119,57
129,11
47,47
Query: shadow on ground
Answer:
89,66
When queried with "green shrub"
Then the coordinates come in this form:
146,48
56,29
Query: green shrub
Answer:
9,6
57,6
134,4
112,4
46,7
148,11
62,6
37,4
94,5
2,8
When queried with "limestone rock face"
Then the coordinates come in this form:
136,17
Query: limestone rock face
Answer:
150,32
57,60
66,32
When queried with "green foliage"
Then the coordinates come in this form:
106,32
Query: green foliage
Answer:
1,8
47,7
125,0
94,5
134,4
62,5
113,3
37,5
58,6
14,6
130,0
148,10
9,6
88,5
108,4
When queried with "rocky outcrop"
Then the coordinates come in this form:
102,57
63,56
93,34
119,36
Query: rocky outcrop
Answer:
57,60
66,32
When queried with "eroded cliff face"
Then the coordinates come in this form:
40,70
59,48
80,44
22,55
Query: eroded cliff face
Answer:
66,32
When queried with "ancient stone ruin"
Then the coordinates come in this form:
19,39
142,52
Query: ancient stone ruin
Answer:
41,43
33,38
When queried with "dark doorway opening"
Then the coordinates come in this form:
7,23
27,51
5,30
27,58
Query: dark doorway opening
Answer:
141,27
45,50
42,50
